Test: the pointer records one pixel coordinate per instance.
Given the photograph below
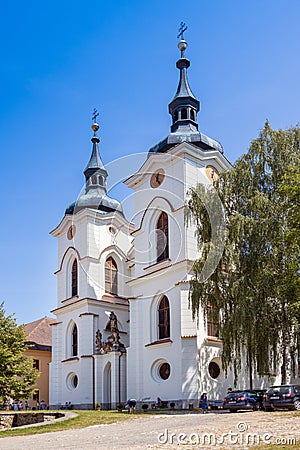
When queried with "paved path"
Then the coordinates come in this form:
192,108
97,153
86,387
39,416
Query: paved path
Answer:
154,432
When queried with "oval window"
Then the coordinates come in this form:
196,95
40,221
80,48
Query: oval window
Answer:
164,371
214,369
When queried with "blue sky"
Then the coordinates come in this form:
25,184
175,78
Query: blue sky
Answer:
62,59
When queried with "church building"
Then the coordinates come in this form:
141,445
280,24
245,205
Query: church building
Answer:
124,328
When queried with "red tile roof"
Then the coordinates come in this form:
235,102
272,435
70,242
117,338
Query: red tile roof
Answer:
40,331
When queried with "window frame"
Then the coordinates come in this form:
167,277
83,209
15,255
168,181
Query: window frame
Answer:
74,340
163,314
212,327
74,278
162,226
111,276
36,364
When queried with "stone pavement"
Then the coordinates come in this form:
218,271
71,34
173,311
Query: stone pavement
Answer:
214,430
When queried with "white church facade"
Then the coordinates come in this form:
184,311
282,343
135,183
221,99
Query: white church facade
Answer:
124,327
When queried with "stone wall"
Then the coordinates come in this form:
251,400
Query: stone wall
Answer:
18,419
6,421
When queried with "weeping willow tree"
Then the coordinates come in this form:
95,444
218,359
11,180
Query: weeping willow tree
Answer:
254,290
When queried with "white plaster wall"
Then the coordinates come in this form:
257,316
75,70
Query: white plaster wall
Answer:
88,316
55,366
92,243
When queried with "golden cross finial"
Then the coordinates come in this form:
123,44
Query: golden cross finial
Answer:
95,115
181,30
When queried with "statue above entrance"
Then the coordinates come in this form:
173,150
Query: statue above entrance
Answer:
113,343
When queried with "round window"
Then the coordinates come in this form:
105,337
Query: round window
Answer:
164,371
72,381
71,232
214,369
161,370
157,178
75,381
112,230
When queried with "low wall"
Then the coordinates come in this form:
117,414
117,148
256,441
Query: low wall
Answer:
18,419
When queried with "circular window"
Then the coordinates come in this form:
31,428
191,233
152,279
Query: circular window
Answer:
212,173
112,230
164,371
157,178
71,232
160,370
72,381
75,381
214,369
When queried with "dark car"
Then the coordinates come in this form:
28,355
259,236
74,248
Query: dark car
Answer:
285,396
260,396
241,400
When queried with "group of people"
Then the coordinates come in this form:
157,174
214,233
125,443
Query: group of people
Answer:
23,406
16,406
41,405
158,404
67,405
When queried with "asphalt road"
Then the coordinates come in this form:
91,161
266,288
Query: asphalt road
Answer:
186,431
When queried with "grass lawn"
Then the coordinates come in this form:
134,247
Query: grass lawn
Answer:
83,419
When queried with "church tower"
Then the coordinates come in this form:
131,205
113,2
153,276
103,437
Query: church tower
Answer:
91,334
169,355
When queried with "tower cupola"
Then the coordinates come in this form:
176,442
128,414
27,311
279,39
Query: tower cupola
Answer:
95,172
184,109
184,106
95,193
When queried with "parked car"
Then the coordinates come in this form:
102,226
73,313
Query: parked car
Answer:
285,396
215,404
241,400
260,396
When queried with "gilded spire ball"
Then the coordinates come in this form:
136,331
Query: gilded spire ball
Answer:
182,45
95,127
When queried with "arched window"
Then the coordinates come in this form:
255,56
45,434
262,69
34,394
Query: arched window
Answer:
111,276
162,237
212,324
192,114
74,279
163,318
183,113
175,117
74,341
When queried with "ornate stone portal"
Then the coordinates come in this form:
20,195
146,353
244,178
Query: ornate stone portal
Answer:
113,343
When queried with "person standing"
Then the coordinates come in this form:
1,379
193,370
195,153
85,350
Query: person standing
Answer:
203,403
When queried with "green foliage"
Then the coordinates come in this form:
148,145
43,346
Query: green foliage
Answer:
16,372
255,288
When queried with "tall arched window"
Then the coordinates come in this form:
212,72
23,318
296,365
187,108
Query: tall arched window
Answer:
74,279
111,276
162,237
74,341
164,318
